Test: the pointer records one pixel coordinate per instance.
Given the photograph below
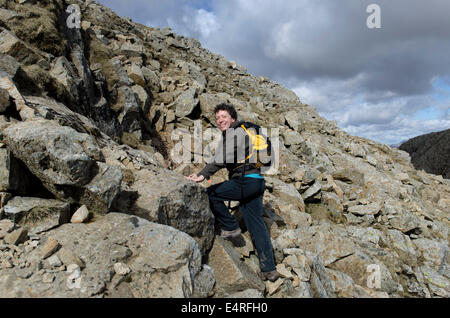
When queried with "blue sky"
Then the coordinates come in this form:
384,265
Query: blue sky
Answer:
387,84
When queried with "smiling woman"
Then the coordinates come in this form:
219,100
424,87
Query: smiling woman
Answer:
225,116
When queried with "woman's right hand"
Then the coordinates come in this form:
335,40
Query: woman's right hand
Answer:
194,177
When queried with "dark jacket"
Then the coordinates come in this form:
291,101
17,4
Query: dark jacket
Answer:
234,147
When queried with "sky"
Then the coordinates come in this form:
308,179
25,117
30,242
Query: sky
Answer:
389,83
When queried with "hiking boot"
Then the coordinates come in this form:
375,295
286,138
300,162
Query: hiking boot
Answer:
272,276
227,235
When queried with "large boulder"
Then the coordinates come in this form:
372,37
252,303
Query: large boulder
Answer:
116,256
66,162
167,198
57,155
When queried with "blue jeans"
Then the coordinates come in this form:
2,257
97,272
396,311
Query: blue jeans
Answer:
249,192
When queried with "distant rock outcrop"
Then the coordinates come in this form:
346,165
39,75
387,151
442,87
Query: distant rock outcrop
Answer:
430,152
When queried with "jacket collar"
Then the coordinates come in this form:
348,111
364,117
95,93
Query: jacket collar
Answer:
236,124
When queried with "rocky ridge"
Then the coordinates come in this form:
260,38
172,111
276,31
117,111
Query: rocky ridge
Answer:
86,123
430,152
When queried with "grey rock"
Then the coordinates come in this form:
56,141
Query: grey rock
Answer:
168,198
48,278
132,50
16,237
406,223
135,73
293,120
121,269
13,177
438,284
328,243
80,215
230,273
313,190
24,273
66,163
6,15
285,192
54,261
4,100
292,138
9,65
368,234
321,284
186,102
143,98
130,112
25,112
57,155
6,226
50,247
344,285
356,150
68,257
333,202
13,46
37,214
432,251
193,71
151,78
349,176
371,209
63,72
401,243
356,266
101,192
204,283
55,111
121,76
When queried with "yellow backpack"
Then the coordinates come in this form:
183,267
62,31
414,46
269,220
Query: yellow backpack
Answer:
259,143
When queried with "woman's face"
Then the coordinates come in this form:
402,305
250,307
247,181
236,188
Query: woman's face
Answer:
223,120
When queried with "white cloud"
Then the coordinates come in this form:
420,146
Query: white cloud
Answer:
205,23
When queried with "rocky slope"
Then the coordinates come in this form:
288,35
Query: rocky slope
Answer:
94,205
430,152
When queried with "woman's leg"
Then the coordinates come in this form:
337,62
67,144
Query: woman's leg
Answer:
219,193
252,212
